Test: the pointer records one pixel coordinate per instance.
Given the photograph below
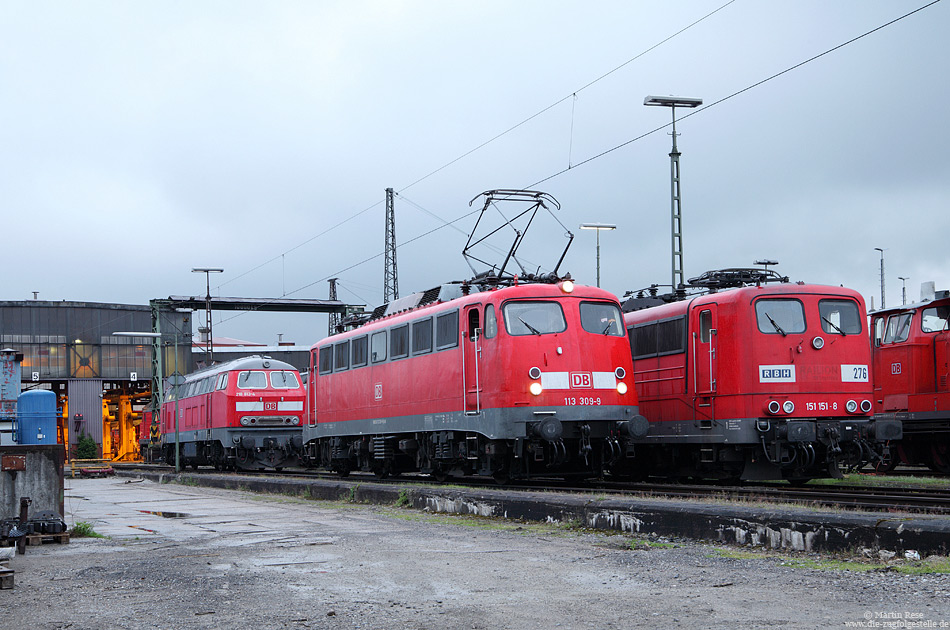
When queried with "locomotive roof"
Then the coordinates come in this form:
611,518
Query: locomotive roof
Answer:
254,362
739,294
941,298
495,294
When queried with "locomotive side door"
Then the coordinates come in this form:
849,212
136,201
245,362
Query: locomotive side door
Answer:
703,337
471,357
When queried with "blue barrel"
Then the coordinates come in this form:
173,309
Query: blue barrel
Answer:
36,417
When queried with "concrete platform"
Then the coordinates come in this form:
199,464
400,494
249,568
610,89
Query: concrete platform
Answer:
801,529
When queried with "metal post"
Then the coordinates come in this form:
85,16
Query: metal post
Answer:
390,274
209,351
177,392
882,276
598,227
676,202
903,288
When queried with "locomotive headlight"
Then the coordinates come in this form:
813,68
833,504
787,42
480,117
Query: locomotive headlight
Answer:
866,406
245,421
774,406
621,388
295,421
818,343
534,373
535,388
788,406
567,286
620,372
851,406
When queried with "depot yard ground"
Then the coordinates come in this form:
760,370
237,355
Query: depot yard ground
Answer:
180,556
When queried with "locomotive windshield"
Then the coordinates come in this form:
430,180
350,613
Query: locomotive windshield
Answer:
601,318
935,319
780,317
252,380
283,379
839,317
898,328
534,318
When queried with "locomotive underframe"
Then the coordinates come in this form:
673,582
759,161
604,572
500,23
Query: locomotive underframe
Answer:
764,448
501,443
235,449
926,440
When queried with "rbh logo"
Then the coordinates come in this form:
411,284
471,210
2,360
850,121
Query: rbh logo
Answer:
270,406
581,380
895,368
379,391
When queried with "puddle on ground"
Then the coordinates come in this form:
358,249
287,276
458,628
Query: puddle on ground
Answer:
166,514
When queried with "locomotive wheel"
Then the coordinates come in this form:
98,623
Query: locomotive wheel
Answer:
440,475
888,462
501,477
798,482
940,458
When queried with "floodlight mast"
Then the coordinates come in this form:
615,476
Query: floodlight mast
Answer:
676,208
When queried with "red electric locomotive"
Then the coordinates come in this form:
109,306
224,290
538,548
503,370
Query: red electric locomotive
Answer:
511,381
245,414
911,352
760,381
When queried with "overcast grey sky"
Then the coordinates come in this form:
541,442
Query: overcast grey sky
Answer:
139,140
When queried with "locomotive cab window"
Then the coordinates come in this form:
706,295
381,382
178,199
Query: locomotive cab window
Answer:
705,326
878,330
341,356
935,319
422,336
533,318
447,330
780,316
252,380
284,379
839,317
399,342
473,326
898,328
601,318
359,351
491,324
223,381
378,346
325,359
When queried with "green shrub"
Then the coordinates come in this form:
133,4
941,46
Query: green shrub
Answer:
86,448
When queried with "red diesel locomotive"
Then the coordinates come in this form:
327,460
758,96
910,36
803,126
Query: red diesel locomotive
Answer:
243,414
755,382
911,350
512,381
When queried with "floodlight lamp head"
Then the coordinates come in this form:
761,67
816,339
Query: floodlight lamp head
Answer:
672,101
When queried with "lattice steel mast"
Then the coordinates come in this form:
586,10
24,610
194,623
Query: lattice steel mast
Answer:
390,277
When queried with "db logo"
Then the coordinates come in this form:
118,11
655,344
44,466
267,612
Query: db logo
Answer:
379,391
270,406
895,368
581,380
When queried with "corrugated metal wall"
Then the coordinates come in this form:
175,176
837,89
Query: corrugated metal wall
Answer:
85,397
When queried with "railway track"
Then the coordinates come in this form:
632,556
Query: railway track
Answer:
870,498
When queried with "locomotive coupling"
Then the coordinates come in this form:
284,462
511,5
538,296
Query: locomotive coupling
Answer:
636,427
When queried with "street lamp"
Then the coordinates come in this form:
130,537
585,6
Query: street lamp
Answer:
676,205
882,275
208,271
903,288
598,227
174,380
